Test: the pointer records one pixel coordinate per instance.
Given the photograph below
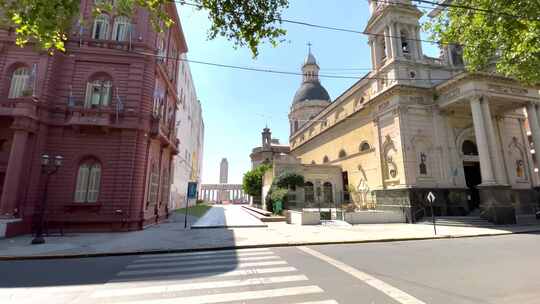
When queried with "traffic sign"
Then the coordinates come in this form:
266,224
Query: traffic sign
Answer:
431,197
192,190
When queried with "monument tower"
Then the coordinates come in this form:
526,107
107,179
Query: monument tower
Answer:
224,171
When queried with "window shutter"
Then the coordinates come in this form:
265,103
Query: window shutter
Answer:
82,184
88,99
19,80
97,89
94,182
106,93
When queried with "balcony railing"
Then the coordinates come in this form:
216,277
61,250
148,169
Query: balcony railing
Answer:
102,117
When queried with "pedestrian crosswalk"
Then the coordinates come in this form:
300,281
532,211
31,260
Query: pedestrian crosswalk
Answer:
256,276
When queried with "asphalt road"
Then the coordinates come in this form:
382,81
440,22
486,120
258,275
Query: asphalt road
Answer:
503,269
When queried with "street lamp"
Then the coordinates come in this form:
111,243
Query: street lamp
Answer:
49,166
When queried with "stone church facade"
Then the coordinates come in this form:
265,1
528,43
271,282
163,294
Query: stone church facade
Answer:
416,124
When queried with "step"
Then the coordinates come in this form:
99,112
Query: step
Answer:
458,221
266,219
257,210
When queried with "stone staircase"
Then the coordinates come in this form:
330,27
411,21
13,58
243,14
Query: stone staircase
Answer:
457,221
263,215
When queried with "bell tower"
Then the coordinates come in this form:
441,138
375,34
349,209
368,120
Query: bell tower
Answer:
395,30
266,138
394,39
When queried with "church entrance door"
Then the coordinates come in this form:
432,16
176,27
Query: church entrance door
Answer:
473,179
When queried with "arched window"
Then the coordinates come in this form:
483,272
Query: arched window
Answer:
308,192
101,27
325,160
328,192
88,182
121,28
98,92
342,153
19,82
469,148
404,43
295,125
364,147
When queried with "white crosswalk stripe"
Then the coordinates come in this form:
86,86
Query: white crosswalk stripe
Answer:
230,260
201,285
199,253
235,296
210,277
174,257
198,268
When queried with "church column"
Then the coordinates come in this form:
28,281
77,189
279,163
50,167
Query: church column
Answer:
534,126
388,43
14,170
398,40
481,142
394,39
373,47
492,143
418,43
537,107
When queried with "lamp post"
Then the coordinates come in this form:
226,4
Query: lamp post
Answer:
49,166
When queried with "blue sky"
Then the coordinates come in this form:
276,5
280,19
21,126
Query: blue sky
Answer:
238,104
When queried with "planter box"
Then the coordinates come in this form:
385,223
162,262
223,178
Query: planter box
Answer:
374,217
303,217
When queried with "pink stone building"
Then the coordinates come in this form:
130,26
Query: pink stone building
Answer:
108,107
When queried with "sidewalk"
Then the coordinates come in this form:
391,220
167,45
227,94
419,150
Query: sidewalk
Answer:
172,236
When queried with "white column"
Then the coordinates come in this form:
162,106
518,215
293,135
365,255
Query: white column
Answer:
537,107
398,40
418,42
482,143
496,156
388,43
534,126
412,42
394,39
373,47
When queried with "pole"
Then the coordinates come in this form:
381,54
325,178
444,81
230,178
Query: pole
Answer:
433,218
186,211
38,239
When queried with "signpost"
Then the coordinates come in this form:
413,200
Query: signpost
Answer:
431,198
191,193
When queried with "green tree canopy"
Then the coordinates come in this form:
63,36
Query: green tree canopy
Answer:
253,180
245,23
500,31
289,179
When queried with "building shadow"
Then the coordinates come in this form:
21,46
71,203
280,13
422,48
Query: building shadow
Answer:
179,267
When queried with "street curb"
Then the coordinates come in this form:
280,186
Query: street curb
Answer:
164,251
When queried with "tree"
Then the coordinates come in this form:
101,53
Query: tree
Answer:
245,23
289,179
253,180
500,31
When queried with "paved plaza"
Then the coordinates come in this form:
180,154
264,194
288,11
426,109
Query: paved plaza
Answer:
227,216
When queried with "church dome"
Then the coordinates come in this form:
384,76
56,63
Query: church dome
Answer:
311,90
